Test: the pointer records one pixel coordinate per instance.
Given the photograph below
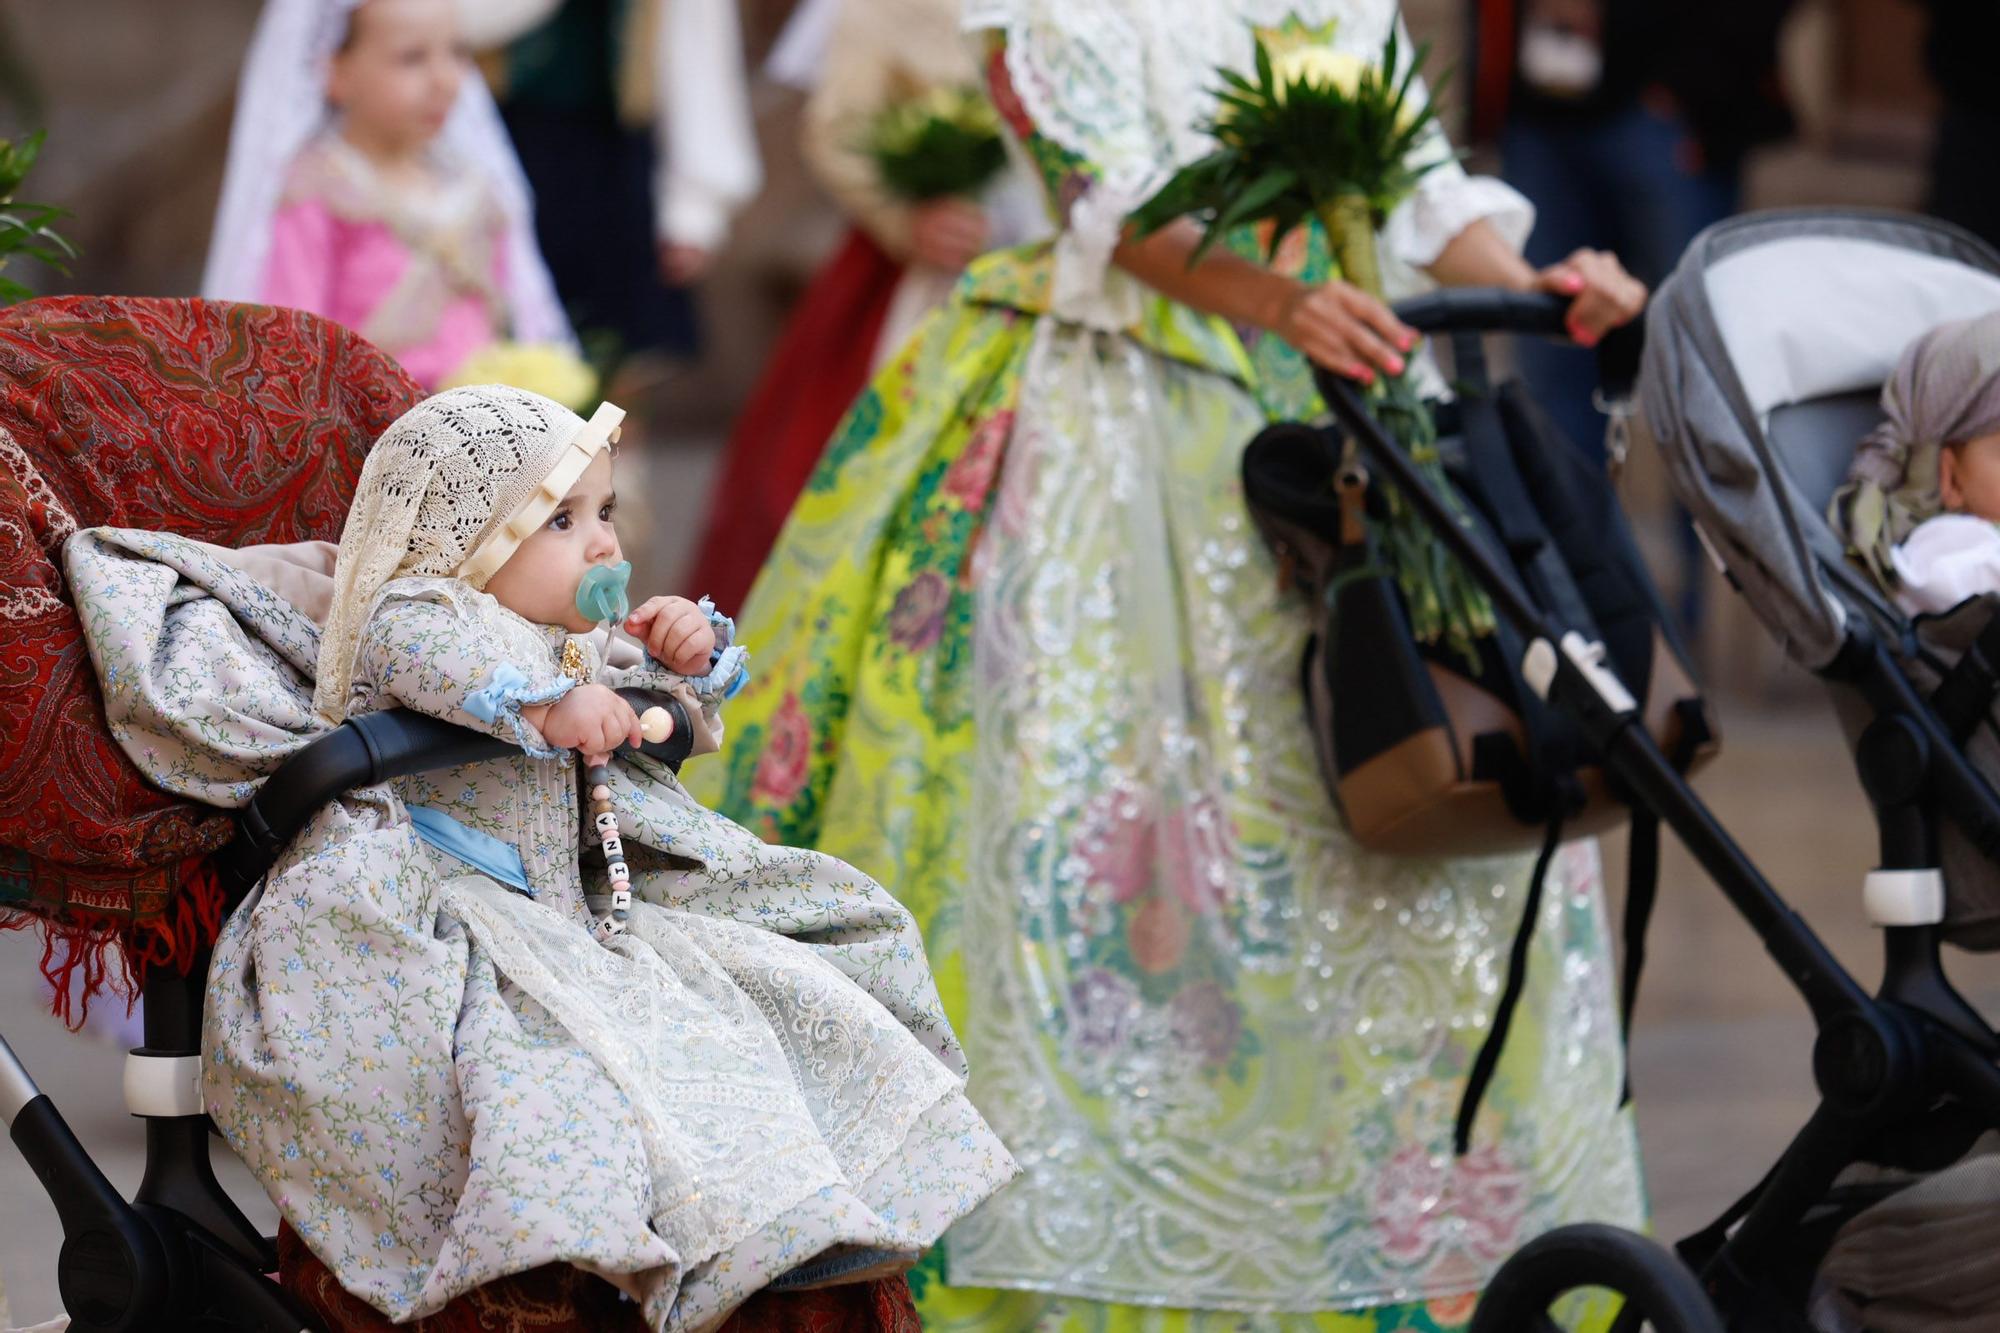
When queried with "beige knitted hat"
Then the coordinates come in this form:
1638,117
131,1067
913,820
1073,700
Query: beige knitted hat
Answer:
451,489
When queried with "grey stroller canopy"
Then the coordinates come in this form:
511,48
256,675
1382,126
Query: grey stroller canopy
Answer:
1765,355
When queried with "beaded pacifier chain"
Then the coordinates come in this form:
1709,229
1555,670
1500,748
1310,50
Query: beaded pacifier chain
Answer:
656,725
601,597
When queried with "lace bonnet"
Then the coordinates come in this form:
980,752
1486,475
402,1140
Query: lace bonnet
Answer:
451,490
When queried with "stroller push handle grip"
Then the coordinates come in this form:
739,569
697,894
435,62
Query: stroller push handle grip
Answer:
1486,310
1476,310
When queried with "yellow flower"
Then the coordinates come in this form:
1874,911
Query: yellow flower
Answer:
1294,32
549,369
1318,67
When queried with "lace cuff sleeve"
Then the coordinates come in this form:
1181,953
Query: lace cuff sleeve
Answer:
728,672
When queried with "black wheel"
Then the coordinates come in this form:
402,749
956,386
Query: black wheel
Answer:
1660,1293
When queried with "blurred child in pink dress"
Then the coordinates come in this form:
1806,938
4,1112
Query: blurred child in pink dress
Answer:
370,181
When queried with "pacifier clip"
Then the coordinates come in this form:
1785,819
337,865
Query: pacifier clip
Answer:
601,597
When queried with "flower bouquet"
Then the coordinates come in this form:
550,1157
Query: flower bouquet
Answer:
1317,134
549,369
936,144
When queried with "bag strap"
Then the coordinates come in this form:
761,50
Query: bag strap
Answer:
1488,1059
1491,464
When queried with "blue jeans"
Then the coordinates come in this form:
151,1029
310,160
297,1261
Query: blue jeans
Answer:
1613,184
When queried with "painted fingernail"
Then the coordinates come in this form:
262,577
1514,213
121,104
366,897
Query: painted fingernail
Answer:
1572,282
1394,365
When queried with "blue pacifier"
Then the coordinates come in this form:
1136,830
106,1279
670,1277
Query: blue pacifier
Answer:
601,595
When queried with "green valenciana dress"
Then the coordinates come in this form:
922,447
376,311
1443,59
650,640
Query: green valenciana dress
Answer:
1021,657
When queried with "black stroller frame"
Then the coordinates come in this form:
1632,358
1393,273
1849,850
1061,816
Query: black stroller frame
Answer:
181,1255
1907,1075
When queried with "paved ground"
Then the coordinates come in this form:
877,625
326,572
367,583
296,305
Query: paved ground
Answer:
1721,1053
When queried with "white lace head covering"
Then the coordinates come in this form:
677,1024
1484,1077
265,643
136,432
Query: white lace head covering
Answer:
281,105
452,488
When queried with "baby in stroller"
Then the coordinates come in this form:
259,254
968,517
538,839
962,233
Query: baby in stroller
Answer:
442,1059
1921,507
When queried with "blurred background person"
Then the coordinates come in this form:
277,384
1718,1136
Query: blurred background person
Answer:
369,181
632,119
860,60
1626,123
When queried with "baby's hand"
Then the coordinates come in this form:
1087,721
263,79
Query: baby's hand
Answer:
676,633
590,718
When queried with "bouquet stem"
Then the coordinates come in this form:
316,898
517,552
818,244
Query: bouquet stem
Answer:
1443,602
1350,231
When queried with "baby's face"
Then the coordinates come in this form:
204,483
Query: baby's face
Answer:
1969,477
539,581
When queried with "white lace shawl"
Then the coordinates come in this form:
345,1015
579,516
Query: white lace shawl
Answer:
1125,84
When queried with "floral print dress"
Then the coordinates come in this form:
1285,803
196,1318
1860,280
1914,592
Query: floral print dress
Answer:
1023,658
417,1044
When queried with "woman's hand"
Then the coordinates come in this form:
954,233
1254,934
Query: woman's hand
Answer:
684,265
948,233
1345,329
590,718
676,633
1603,295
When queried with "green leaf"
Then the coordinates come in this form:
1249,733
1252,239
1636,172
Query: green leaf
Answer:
1252,201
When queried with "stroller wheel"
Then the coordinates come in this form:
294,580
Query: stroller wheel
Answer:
1659,1291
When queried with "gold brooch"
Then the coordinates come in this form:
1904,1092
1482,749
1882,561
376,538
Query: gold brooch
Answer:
574,664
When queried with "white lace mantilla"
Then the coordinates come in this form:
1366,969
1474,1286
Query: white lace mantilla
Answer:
1126,83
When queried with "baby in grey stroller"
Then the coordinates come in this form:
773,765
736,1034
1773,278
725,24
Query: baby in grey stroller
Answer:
1921,507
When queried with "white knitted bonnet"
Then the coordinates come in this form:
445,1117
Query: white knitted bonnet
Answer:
452,489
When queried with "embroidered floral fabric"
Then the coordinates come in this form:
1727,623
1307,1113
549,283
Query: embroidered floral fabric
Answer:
1023,658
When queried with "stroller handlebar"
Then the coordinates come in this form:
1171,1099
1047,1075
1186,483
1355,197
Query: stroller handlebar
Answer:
1469,311
1485,310
372,748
